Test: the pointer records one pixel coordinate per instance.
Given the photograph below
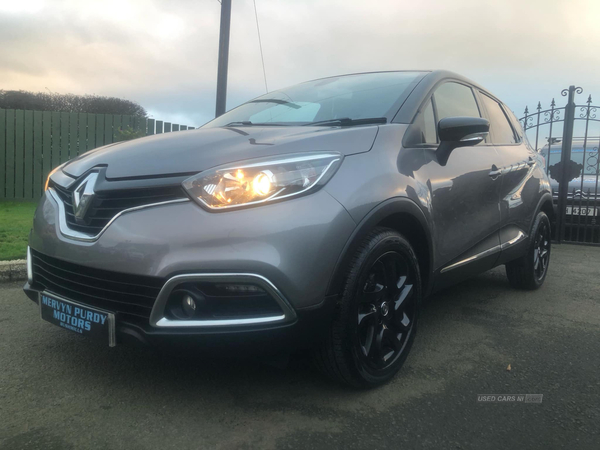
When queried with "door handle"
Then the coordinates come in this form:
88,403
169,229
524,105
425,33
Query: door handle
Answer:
530,161
495,172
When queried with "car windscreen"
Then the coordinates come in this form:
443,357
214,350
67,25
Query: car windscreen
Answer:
351,96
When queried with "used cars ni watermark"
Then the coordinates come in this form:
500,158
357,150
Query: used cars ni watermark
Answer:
510,398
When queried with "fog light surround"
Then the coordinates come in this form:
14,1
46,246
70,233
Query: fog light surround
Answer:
222,300
29,266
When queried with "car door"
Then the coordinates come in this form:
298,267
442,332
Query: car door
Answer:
464,197
519,174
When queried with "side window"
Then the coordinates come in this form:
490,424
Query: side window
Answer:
500,127
454,99
516,124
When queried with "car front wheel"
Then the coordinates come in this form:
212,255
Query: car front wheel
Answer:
376,319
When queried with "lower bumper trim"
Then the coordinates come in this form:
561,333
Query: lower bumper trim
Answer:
164,322
158,317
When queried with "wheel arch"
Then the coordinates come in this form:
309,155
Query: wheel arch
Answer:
402,215
546,205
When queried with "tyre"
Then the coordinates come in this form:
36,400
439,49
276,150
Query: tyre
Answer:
376,319
529,271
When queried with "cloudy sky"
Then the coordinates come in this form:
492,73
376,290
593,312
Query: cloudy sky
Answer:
163,54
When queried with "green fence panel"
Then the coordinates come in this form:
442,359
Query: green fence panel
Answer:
32,143
73,135
37,154
139,123
108,129
19,153
99,130
150,127
55,139
10,153
64,137
28,157
125,122
81,133
46,144
116,127
91,132
2,153
191,128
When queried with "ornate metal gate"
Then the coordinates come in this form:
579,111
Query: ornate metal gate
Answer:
569,137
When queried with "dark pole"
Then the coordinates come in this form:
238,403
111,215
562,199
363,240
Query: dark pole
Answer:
223,57
567,141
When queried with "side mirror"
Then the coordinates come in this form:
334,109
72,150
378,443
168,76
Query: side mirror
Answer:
457,132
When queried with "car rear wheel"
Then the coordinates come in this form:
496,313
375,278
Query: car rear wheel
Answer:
529,271
376,319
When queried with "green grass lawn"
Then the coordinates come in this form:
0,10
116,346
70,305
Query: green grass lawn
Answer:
15,222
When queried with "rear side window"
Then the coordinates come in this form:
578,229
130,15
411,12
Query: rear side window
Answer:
455,100
502,131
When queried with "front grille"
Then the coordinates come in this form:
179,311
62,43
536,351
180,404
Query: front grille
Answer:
107,205
129,295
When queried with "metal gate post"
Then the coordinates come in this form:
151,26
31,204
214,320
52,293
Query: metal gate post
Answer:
567,142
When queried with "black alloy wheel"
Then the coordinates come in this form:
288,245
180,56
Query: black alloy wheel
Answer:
386,311
530,270
376,320
541,254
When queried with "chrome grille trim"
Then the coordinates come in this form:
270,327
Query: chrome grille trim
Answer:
78,235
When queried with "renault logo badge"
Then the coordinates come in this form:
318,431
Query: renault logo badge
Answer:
83,196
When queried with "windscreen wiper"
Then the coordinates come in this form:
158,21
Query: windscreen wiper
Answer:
348,122
239,124
276,101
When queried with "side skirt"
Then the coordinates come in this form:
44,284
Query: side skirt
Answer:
501,247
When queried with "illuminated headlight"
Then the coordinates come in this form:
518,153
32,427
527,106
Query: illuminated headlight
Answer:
56,169
262,180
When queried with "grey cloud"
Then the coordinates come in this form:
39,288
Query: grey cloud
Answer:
522,51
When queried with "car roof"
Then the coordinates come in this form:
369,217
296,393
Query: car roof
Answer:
365,73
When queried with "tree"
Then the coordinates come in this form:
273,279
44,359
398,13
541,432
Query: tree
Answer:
128,133
95,104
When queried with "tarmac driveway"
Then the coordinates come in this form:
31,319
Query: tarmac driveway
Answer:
59,391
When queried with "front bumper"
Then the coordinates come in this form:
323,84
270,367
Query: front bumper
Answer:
308,328
294,245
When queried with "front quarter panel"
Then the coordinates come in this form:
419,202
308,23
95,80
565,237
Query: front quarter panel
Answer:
366,180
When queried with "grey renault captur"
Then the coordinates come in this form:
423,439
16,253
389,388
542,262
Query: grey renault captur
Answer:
314,217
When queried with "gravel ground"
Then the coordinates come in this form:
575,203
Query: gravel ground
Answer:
60,391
